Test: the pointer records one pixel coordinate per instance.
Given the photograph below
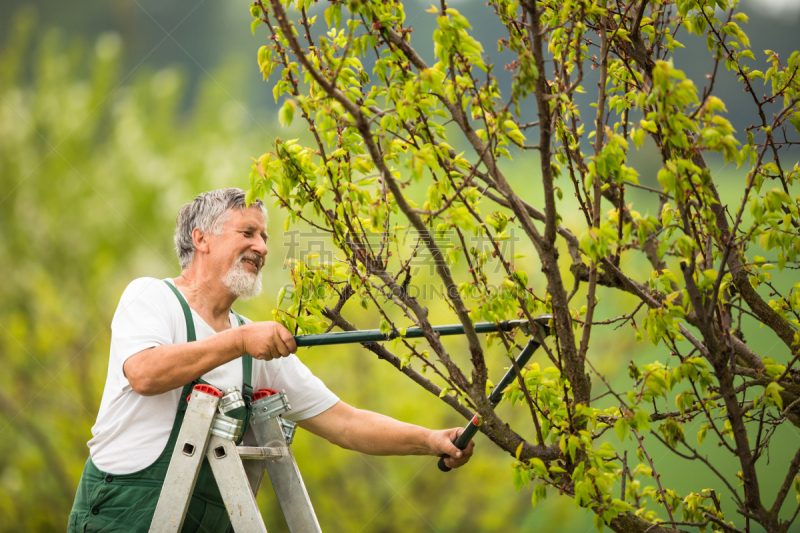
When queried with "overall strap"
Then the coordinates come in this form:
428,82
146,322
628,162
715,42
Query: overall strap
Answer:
247,389
187,313
247,367
191,336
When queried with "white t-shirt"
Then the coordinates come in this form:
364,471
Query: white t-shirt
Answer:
132,430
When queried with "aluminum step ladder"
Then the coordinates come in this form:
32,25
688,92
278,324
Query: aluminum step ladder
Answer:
238,470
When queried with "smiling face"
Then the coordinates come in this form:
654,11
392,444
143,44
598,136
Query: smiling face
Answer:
238,253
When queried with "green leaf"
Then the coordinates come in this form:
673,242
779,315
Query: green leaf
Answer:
773,390
621,506
641,421
578,472
286,113
519,478
599,523
701,435
538,467
281,294
796,485
539,493
572,446
621,427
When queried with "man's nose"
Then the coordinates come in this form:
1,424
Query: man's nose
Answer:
261,248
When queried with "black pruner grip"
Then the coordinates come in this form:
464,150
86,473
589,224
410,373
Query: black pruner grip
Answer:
462,440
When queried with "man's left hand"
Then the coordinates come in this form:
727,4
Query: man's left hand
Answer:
441,442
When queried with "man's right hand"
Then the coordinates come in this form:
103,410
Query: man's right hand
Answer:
267,340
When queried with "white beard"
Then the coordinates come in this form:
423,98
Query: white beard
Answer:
242,283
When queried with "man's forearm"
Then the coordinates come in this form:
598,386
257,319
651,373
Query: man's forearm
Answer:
163,368
376,434
369,432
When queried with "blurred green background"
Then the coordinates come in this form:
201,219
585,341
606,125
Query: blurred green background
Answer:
112,115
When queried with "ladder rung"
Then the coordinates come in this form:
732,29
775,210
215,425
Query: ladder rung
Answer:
257,452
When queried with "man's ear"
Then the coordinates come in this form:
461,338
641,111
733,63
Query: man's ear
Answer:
200,241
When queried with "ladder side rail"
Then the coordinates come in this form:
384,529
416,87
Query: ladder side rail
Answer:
184,466
286,479
234,487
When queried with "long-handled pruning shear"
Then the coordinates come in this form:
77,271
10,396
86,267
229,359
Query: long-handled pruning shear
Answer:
539,324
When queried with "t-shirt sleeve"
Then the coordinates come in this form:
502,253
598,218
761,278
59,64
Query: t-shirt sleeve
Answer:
307,394
142,321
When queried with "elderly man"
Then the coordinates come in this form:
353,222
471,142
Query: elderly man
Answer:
169,334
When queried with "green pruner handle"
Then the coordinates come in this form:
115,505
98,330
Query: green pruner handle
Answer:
461,441
443,467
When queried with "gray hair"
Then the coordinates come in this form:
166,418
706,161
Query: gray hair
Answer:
208,213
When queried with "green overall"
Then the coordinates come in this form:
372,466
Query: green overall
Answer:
126,502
